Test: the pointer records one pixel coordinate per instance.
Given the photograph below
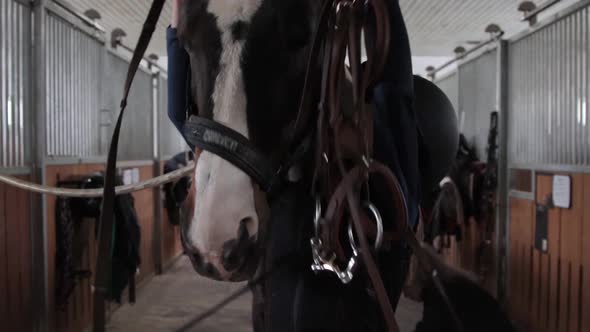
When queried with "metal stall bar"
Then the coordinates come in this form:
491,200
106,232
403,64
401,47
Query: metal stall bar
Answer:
549,87
23,49
40,277
157,233
136,128
477,86
66,7
543,7
502,213
433,73
585,87
3,49
75,55
15,18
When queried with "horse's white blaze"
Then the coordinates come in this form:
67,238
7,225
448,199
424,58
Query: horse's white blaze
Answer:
224,194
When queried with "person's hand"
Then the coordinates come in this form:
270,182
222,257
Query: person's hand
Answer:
175,13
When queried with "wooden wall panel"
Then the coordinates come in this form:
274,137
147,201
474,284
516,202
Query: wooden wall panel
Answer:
69,318
463,254
143,199
15,259
558,298
539,298
12,257
25,262
3,258
78,313
571,252
585,305
521,223
554,237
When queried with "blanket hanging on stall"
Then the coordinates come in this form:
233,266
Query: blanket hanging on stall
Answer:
73,229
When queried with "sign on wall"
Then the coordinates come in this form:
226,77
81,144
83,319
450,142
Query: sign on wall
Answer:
562,191
131,176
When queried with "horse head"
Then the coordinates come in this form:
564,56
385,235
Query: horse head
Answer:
248,61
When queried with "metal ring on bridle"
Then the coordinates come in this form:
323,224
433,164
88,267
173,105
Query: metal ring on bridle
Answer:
378,220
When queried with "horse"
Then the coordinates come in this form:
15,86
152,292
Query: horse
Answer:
250,66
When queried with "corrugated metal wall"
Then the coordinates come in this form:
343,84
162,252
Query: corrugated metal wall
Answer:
136,133
477,98
73,62
171,142
450,86
15,96
548,82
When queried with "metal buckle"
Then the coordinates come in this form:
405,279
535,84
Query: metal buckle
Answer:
323,263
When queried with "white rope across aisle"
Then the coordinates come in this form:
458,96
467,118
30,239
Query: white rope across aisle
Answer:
87,193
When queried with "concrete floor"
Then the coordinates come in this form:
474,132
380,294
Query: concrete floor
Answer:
170,300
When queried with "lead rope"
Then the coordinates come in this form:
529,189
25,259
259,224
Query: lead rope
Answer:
103,260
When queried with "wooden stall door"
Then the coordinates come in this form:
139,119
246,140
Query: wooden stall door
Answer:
521,235
585,271
550,291
15,259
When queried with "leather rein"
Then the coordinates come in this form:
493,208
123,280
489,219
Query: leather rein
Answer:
343,150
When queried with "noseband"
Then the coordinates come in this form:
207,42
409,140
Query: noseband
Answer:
232,146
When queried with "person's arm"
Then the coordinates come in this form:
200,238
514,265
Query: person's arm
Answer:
178,73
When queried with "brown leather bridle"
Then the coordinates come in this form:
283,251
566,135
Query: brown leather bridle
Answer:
343,150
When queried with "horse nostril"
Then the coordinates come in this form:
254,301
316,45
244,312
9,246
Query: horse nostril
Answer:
247,220
231,255
196,259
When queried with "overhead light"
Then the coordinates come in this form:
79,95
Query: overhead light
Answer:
459,50
527,7
92,14
430,72
116,36
494,30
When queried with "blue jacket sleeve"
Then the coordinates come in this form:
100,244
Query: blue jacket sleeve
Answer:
395,132
178,80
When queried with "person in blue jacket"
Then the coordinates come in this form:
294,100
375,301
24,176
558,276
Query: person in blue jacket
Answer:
179,102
